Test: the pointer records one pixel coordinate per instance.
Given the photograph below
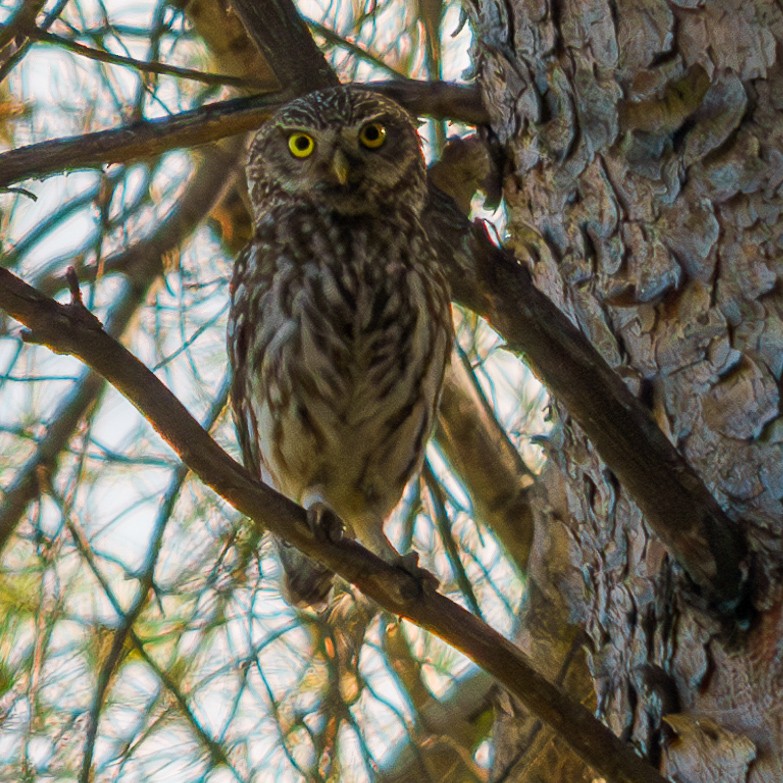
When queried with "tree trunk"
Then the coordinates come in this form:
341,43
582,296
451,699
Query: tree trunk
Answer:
643,142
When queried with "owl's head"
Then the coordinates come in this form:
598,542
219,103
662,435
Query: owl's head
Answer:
346,150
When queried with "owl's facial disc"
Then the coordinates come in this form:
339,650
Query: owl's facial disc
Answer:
344,151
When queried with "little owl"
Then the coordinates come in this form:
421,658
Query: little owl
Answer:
340,321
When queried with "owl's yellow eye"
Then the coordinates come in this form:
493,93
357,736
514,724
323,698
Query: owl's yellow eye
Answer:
301,145
372,136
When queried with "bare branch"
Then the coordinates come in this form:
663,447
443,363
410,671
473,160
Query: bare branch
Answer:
145,582
275,27
437,99
138,140
487,462
216,752
26,485
20,23
333,38
442,524
211,122
19,28
68,328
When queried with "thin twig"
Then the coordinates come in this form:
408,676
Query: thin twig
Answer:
481,453
441,518
26,24
335,39
149,67
145,582
216,752
142,264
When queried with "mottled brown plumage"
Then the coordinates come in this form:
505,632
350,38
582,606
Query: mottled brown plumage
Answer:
340,323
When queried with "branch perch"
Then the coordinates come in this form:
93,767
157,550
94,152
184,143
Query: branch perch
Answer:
70,328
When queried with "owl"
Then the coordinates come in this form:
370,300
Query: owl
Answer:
340,323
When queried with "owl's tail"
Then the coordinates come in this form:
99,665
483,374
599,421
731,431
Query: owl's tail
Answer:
305,582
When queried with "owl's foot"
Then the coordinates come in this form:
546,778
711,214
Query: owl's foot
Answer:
410,564
324,523
375,540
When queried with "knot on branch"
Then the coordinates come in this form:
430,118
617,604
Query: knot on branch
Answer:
64,318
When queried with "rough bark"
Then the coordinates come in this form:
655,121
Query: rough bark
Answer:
642,141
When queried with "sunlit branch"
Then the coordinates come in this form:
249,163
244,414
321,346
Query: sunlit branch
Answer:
70,328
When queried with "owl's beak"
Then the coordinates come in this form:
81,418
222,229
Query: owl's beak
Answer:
340,167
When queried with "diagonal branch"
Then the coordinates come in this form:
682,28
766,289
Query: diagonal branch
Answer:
138,140
489,465
675,501
296,61
70,328
145,66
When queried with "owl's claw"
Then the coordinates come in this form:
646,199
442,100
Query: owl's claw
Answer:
324,523
410,564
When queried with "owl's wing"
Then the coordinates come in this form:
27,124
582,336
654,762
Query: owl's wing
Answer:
242,410
306,582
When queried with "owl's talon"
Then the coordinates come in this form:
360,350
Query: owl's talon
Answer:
410,564
324,524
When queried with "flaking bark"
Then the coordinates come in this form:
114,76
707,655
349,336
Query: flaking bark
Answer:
643,142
